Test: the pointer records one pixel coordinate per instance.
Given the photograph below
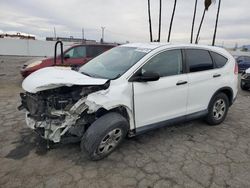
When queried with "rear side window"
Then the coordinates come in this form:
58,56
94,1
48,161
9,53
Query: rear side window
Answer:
93,51
198,60
219,60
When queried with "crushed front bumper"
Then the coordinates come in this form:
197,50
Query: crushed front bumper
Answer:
49,130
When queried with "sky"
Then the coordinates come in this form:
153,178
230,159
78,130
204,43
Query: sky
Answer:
125,20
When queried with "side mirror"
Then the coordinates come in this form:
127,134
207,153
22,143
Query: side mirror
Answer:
146,77
66,56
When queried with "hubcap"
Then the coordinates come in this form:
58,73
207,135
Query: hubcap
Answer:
110,141
219,109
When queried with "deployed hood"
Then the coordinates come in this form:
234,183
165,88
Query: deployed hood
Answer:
54,77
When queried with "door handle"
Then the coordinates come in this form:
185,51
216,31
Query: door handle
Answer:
181,82
216,75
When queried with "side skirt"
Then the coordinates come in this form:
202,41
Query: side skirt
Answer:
170,122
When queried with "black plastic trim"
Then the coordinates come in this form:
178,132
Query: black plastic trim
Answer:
170,122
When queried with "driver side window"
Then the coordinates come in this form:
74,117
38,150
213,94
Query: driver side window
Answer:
167,63
77,52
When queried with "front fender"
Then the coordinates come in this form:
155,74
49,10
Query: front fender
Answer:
112,98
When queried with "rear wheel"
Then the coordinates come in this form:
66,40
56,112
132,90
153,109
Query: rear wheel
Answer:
217,109
104,135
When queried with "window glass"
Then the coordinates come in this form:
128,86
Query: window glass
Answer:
247,60
198,60
93,51
241,58
165,64
77,52
219,60
113,63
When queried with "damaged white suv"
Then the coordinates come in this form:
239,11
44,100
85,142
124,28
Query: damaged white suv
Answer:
128,90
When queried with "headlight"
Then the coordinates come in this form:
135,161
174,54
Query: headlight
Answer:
34,64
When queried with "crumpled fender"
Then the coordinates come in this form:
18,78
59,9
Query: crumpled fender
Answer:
114,96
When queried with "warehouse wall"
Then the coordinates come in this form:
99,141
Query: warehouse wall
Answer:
28,47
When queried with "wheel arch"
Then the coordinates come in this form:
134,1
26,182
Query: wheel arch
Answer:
120,109
228,91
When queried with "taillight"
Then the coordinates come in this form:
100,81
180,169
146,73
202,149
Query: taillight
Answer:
236,69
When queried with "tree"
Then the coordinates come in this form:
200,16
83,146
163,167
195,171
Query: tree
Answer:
216,23
159,33
192,30
207,4
172,19
150,24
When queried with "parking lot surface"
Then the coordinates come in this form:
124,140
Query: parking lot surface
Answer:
186,155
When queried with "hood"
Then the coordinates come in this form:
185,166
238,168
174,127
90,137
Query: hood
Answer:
33,60
54,77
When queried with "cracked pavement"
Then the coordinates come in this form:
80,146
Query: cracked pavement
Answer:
191,154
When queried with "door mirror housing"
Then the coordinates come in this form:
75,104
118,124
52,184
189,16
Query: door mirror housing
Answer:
145,77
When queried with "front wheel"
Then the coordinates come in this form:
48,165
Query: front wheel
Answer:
217,109
104,135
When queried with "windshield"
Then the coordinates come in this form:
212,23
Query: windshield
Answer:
113,63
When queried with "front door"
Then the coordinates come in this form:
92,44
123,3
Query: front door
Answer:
75,57
166,98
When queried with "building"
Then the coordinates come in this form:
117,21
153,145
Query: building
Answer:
17,36
70,39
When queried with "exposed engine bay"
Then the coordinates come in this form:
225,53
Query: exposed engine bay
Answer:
61,113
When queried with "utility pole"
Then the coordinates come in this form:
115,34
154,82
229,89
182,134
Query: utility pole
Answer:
102,39
82,35
55,33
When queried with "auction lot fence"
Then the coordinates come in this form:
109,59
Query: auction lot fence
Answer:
23,47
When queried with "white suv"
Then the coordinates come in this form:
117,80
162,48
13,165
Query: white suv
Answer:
128,90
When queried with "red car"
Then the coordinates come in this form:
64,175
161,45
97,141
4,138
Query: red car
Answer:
74,56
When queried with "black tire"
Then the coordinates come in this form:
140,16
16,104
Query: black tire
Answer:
210,118
99,131
243,86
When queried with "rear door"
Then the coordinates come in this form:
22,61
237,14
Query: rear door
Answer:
203,79
166,98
